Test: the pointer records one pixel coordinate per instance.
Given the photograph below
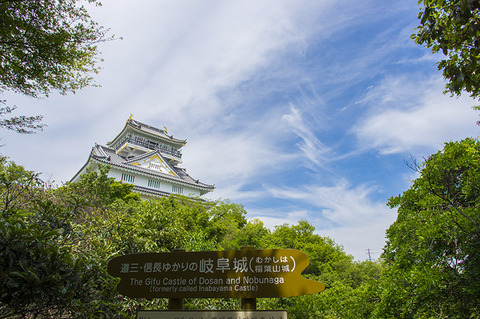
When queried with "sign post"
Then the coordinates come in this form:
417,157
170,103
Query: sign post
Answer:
175,303
247,274
248,303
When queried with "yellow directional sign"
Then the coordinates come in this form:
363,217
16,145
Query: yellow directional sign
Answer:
246,273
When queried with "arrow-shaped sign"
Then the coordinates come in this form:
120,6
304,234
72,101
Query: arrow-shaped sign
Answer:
246,273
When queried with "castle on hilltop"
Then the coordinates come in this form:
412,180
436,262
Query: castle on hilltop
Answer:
146,157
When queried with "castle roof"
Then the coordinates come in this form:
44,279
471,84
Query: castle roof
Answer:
151,131
108,156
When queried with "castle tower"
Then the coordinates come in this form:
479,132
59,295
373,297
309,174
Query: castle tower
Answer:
146,157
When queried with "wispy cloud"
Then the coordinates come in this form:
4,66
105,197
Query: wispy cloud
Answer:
408,114
313,149
343,212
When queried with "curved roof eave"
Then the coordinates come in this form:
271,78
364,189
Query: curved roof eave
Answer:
163,176
128,124
84,167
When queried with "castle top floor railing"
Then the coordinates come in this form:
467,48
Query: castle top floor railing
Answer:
151,145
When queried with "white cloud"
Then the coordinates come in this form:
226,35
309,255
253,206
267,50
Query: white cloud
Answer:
345,213
191,53
408,114
357,240
229,158
313,149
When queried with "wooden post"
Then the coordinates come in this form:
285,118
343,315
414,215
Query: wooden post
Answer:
175,303
248,303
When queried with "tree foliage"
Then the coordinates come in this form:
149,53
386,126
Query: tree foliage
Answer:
45,46
452,27
21,124
433,248
96,189
41,274
349,285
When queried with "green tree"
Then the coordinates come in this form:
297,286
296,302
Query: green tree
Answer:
45,46
17,187
350,286
21,124
323,252
42,273
43,278
226,219
252,234
433,248
96,189
452,27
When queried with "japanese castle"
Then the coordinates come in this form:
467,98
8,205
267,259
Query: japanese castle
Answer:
146,157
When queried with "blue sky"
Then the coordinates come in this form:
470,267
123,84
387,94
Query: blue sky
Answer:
295,109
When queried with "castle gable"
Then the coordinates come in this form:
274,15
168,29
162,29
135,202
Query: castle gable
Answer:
154,162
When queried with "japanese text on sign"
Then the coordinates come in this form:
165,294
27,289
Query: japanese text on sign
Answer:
242,265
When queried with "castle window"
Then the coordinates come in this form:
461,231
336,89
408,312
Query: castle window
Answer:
152,145
128,178
155,166
177,189
153,183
